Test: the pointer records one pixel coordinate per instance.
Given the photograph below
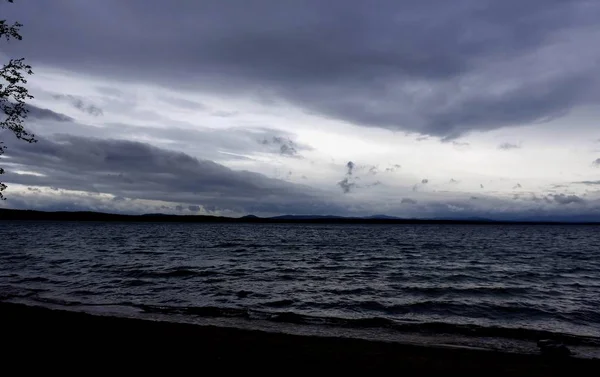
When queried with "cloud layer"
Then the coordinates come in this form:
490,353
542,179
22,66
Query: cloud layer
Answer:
432,67
294,107
137,170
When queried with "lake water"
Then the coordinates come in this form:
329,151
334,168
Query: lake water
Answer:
519,281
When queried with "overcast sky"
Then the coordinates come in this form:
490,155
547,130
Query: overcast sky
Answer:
427,108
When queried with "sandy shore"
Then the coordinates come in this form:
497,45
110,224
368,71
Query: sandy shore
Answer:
34,337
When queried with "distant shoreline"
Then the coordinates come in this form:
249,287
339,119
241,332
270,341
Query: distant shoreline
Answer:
31,215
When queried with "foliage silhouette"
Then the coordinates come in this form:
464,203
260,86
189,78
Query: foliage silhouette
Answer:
13,93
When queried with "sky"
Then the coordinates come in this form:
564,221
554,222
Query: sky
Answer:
426,109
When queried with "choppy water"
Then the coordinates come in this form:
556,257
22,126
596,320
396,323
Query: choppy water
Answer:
449,278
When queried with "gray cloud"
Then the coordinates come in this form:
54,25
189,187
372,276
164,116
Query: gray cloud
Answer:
461,145
423,182
45,114
80,104
350,166
481,185
140,171
517,186
433,67
408,201
224,114
287,150
109,91
508,146
393,168
588,182
285,146
348,182
183,103
596,163
194,208
452,180
346,185
566,199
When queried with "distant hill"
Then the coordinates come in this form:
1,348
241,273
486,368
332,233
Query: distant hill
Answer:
478,219
381,217
306,217
29,215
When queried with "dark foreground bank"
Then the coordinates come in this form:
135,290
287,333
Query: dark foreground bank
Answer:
40,338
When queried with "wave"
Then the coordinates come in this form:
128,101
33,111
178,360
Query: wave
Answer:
434,328
466,291
178,272
503,310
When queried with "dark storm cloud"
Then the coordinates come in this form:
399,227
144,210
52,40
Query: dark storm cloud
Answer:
440,68
350,166
567,199
535,198
284,145
80,104
346,185
140,171
46,114
508,146
408,201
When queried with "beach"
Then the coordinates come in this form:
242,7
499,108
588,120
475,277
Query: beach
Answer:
67,341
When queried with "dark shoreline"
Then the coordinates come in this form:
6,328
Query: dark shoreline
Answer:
49,336
31,215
